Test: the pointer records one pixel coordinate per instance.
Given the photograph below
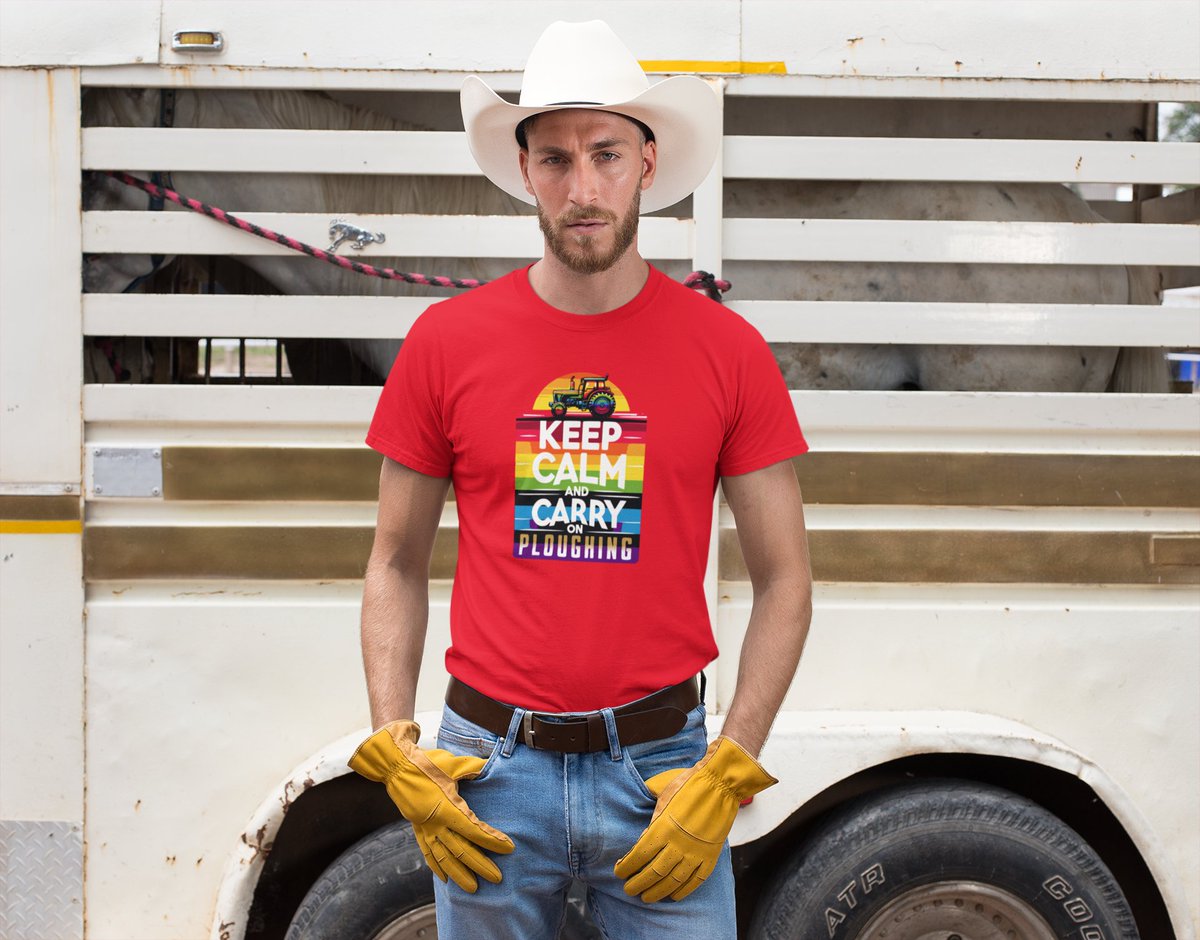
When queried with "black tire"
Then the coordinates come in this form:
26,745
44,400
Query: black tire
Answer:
939,858
558,409
379,887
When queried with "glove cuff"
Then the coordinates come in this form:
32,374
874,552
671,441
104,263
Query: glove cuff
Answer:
386,748
744,775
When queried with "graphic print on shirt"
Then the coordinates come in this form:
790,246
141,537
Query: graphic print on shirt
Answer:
581,454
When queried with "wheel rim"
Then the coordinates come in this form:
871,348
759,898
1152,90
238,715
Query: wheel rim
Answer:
967,910
417,924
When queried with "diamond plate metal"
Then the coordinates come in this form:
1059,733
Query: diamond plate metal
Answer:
41,880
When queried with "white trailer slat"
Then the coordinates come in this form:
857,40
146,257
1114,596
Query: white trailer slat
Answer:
142,149
258,150
827,321
919,158
953,422
964,242
744,239
408,236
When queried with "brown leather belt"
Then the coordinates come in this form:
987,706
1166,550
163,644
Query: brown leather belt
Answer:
656,716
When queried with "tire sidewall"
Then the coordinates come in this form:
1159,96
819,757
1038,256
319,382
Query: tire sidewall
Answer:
867,858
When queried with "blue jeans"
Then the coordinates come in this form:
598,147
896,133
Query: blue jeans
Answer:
572,816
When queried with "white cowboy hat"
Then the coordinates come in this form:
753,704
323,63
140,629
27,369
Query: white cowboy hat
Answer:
585,65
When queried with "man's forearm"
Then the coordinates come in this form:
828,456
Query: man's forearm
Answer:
771,650
395,616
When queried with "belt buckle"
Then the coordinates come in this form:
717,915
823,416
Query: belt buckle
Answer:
527,726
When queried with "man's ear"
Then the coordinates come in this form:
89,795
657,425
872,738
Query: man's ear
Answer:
649,163
523,160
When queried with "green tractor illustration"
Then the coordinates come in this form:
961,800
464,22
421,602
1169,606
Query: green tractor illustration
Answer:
593,394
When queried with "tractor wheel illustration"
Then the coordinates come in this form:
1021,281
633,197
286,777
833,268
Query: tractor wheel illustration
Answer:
558,409
602,405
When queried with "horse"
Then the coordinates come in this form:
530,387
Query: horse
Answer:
864,366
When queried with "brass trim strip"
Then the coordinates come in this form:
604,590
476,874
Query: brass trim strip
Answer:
933,479
263,552
271,473
59,508
848,555
843,478
969,556
1183,549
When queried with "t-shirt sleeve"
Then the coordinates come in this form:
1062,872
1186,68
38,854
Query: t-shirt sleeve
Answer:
763,428
409,423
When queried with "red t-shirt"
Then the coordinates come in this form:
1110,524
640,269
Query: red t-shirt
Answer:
585,450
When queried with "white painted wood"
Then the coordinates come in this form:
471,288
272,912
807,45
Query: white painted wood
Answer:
916,158
1000,422
41,677
462,236
259,150
826,321
142,149
1032,39
662,238
1023,39
78,32
40,279
203,75
967,242
708,208
461,36
836,321
250,315
979,422
865,518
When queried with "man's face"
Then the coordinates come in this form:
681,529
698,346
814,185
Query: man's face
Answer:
587,170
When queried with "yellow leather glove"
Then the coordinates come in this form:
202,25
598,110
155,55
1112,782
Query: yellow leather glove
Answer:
695,811
424,786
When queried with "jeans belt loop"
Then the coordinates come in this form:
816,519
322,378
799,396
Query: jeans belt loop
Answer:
610,725
520,717
527,724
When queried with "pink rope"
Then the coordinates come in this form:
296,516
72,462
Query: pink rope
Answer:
698,280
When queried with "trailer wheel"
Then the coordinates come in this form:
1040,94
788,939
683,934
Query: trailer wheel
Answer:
378,889
944,859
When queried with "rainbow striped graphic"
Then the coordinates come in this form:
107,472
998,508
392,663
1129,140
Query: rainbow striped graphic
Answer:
580,464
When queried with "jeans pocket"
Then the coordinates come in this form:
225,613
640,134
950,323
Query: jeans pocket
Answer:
464,738
680,751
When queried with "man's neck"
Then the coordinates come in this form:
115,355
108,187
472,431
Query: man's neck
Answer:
572,292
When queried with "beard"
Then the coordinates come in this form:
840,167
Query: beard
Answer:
580,253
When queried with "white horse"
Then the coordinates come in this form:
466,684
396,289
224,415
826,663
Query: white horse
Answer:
840,366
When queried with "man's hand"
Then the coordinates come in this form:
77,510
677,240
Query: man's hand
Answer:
695,811
423,785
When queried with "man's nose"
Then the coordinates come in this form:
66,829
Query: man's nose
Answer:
583,188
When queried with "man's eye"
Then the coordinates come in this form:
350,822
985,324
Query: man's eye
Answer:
608,156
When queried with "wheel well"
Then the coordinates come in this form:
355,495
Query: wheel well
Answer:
1066,796
320,824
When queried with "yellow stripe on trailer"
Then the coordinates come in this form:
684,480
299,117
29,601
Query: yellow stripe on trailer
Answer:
40,526
713,67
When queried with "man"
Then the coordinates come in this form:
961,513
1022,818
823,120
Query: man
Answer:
573,742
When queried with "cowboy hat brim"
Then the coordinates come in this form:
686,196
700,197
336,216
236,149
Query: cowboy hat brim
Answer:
683,112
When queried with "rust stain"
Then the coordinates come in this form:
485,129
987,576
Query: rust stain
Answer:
199,860
256,845
137,806
289,797
226,928
852,40
1078,163
170,859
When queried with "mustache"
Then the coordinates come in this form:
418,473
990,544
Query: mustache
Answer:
581,214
